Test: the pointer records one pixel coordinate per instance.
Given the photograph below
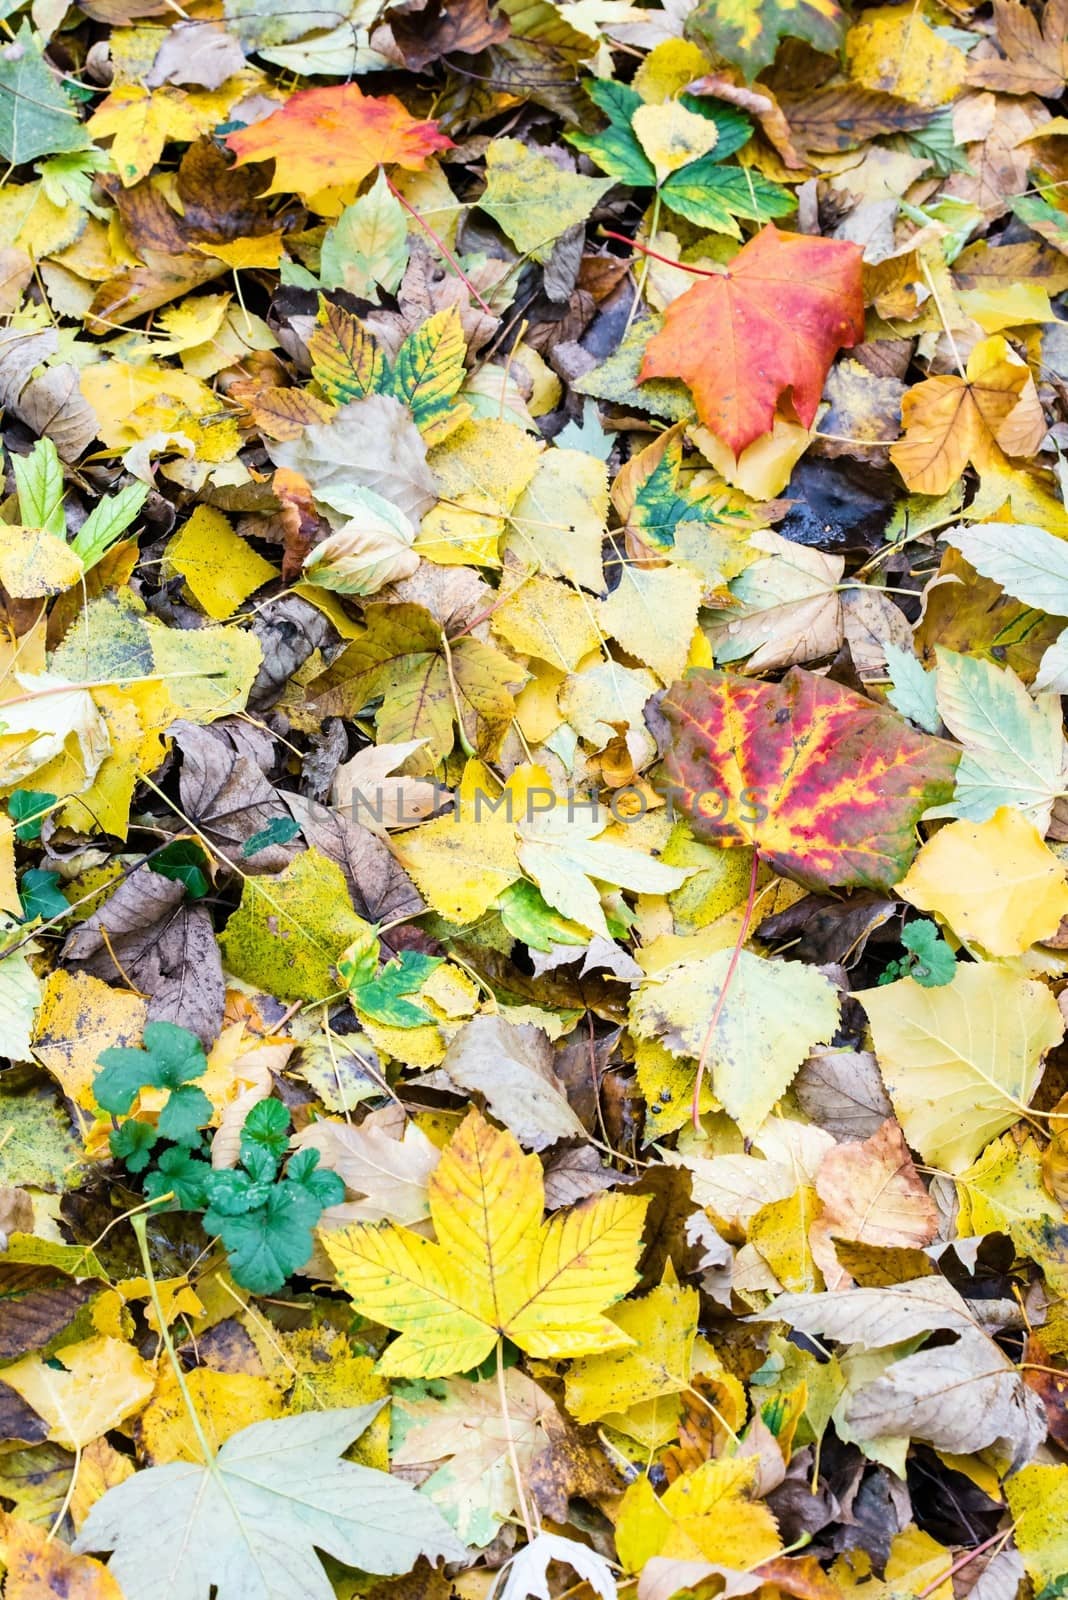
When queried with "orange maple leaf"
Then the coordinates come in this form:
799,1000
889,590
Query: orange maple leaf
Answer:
773,321
328,138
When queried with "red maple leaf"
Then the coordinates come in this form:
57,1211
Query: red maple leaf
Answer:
773,321
330,138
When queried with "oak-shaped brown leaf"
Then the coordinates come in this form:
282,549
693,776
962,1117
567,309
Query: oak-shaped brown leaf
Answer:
773,321
326,138
827,786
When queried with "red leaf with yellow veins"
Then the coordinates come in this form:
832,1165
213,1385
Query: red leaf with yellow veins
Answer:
773,321
827,786
329,138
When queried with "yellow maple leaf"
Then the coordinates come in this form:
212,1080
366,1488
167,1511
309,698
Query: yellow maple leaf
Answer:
990,414
141,121
495,1268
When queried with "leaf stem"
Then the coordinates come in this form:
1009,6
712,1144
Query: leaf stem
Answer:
683,266
441,245
513,1456
721,999
139,1224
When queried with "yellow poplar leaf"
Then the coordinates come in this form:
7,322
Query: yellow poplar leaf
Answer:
545,618
80,1016
992,413
662,1326
494,1267
97,1384
35,563
668,68
40,1567
961,1062
263,251
1038,1501
773,1015
9,889
707,1514
997,883
780,1231
289,930
133,400
894,49
558,522
672,137
100,1469
1003,1192
480,471
225,1402
221,570
652,612
461,862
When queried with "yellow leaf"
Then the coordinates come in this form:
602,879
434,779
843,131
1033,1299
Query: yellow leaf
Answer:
96,1385
672,137
79,1017
462,862
1003,1192
996,883
140,121
9,889
495,1268
961,1062
221,570
100,1469
35,563
992,414
1038,1501
894,49
652,612
662,1327
480,471
40,1567
705,1514
780,1231
134,400
545,618
263,250
558,522
225,1402
289,930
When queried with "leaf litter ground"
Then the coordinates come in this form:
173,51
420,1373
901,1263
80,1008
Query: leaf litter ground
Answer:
532,800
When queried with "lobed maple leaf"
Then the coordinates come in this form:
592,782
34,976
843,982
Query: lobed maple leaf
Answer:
495,1268
333,137
772,321
827,786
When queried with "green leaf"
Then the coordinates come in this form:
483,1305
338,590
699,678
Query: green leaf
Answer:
107,522
68,180
171,1057
231,1194
381,999
934,963
187,1111
184,861
347,363
250,1521
532,200
266,1126
935,142
40,897
180,1173
367,248
747,32
132,1143
268,1245
28,808
1013,743
712,196
327,1188
36,118
39,482
913,692
278,831
430,369
662,502
615,149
